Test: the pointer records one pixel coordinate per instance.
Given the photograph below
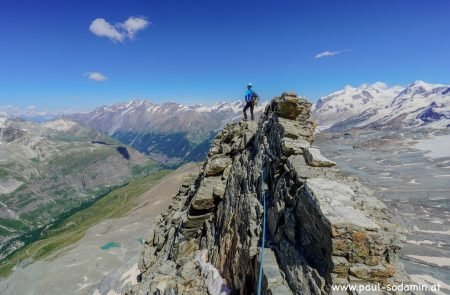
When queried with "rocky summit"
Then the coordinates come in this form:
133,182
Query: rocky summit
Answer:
322,228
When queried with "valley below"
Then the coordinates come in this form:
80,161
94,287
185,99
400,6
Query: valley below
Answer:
105,257
50,171
409,170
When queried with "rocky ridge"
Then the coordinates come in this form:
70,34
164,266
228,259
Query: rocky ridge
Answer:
322,227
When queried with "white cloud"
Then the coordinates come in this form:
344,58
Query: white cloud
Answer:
96,76
330,53
120,31
102,28
134,24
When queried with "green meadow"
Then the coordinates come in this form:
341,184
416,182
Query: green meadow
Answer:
70,229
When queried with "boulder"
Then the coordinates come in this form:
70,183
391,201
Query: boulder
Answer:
214,150
291,129
204,198
316,159
196,221
295,129
336,203
219,190
216,165
289,106
293,147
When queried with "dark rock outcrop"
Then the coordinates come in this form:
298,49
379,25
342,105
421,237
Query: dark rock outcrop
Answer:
322,227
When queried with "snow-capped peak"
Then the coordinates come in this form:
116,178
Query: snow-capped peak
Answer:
421,87
352,100
379,85
370,103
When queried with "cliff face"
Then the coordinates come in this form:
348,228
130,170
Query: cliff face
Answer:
322,227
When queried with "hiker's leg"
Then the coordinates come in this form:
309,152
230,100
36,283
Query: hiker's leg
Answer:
251,110
245,111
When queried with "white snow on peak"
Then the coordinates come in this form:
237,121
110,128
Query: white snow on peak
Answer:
170,107
60,124
345,103
379,85
153,108
420,83
418,103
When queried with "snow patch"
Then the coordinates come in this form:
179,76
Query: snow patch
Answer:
130,276
439,261
214,281
447,232
60,125
436,147
429,280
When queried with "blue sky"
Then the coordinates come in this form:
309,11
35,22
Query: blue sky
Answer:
205,51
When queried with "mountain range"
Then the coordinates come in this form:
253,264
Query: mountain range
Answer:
378,106
168,132
175,133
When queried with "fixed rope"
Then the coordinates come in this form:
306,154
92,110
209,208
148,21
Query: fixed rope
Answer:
263,234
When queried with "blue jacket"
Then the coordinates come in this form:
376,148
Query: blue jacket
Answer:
249,95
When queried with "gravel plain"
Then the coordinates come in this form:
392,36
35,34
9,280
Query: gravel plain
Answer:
410,173
105,259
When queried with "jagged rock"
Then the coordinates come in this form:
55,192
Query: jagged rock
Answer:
316,159
219,190
289,106
226,172
294,147
225,148
148,258
216,165
293,94
377,273
291,128
186,249
272,279
196,221
322,228
248,137
341,266
337,204
215,150
204,198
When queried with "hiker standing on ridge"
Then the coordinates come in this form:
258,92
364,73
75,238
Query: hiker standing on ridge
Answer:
250,99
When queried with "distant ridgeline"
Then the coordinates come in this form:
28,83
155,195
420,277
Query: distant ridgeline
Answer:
322,227
170,132
169,148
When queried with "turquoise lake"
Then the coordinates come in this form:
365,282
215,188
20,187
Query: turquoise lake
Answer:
110,245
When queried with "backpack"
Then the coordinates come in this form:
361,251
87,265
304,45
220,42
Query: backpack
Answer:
255,99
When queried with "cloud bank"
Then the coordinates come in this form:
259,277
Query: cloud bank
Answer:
121,31
96,76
